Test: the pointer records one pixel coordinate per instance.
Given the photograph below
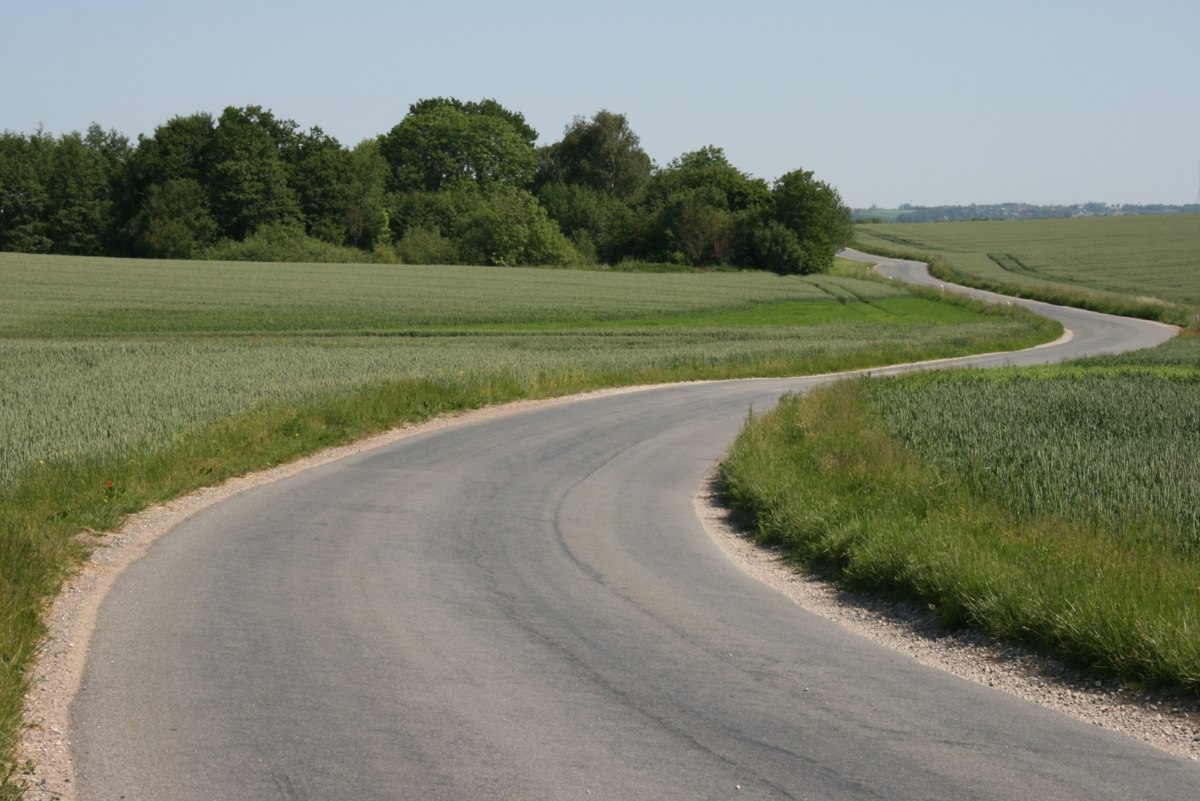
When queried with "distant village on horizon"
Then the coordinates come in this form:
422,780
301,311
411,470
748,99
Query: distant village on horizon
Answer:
1014,211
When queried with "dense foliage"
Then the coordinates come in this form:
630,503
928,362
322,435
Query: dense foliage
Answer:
452,182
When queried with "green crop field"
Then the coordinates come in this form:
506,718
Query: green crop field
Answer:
1056,506
1103,443
100,356
130,382
1148,265
63,297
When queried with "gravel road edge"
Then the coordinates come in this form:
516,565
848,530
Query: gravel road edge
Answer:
1160,719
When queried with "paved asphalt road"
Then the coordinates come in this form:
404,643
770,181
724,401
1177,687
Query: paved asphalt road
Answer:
527,608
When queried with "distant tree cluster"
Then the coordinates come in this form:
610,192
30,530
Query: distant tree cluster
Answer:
452,182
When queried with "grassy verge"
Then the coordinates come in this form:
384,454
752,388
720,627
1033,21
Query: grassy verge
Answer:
129,383
1055,507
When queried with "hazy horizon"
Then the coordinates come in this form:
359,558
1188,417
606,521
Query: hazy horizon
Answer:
928,103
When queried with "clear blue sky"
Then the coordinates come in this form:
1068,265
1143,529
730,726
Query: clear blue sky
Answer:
932,102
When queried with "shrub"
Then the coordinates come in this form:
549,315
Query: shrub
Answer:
510,227
282,242
421,245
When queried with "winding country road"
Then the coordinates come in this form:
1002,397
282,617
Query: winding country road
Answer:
526,607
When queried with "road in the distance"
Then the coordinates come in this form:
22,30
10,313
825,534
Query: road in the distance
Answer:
527,608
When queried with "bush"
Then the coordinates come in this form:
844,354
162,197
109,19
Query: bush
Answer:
600,226
511,227
773,246
174,221
282,242
421,245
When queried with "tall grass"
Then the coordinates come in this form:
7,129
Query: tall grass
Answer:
1055,506
1114,449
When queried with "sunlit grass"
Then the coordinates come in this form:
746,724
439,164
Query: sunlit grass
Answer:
1056,505
140,353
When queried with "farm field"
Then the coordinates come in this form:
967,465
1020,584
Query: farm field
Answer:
101,356
1055,506
63,297
1145,265
131,382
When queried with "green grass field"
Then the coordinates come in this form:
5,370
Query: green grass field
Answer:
1144,265
130,382
1056,506
101,356
60,297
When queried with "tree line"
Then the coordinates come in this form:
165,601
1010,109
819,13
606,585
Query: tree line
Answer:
452,182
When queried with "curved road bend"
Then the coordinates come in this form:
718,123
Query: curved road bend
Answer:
527,608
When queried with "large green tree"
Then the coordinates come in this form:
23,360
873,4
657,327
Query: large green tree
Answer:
24,195
484,108
365,210
602,227
319,171
602,153
174,221
162,208
692,208
445,143
814,213
78,185
249,184
587,182
182,147
510,227
56,194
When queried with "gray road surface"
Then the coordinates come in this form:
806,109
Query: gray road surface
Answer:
527,608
